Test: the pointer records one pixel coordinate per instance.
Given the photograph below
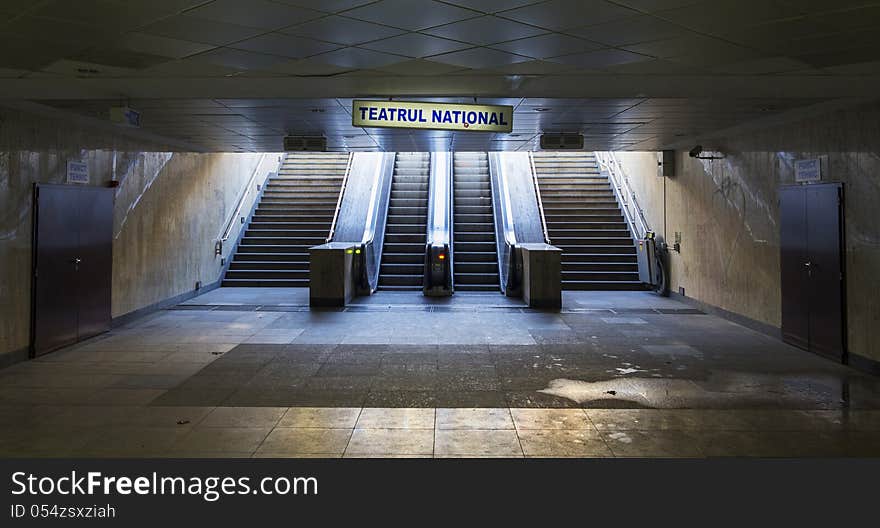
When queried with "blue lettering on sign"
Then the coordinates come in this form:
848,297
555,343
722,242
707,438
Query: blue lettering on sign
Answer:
404,115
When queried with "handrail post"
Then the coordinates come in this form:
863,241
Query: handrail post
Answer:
339,200
538,195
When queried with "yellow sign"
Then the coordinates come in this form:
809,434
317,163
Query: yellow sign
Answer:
435,116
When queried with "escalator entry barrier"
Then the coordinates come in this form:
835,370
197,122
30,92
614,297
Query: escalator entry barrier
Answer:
439,273
652,263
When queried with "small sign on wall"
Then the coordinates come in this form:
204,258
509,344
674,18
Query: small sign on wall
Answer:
808,170
77,172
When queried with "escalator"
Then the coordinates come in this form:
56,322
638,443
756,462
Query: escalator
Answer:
403,253
474,250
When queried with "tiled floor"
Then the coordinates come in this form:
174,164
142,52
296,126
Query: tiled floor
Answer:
252,372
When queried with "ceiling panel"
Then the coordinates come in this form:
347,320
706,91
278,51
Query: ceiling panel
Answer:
411,14
161,46
479,58
600,59
491,6
343,30
416,45
195,29
254,13
565,14
285,45
359,58
485,30
549,45
630,30
239,59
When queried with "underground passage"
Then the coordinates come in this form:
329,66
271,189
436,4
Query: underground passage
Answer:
387,229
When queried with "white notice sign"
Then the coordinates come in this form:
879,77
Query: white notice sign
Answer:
77,172
808,170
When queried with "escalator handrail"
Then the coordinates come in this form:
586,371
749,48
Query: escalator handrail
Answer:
505,232
439,225
377,215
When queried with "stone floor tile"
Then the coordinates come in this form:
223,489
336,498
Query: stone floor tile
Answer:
285,441
560,443
320,417
399,418
477,443
391,442
666,444
474,418
243,417
550,419
237,439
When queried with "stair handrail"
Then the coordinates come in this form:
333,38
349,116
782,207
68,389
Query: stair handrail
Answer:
632,212
248,188
538,195
339,200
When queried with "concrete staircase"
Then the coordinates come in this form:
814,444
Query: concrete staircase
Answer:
294,214
403,250
585,221
475,255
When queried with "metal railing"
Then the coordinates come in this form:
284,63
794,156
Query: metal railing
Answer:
635,216
248,188
538,195
339,200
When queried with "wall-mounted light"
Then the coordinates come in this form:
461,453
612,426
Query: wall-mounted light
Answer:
697,152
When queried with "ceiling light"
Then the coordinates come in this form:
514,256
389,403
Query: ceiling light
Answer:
542,109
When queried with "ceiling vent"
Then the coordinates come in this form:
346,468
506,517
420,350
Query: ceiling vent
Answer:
305,143
562,141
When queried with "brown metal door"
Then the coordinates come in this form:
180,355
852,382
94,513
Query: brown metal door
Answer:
96,260
825,269
55,291
793,245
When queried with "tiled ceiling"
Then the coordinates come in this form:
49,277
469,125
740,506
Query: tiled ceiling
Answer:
171,59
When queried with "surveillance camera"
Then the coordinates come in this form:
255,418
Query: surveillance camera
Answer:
696,151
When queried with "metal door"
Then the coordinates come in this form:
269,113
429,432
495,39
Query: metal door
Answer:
811,240
95,223
55,289
793,246
825,269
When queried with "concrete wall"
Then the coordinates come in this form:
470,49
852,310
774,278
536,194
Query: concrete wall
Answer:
728,215
169,210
